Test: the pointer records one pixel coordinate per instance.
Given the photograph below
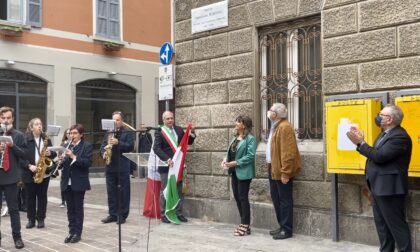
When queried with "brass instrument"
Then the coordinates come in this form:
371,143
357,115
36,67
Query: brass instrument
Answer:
43,163
108,147
108,150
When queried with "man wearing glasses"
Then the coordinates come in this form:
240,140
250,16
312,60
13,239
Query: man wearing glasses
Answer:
387,177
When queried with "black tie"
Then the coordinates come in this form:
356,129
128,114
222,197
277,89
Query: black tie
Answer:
380,138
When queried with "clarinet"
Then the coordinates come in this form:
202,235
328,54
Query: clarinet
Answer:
60,162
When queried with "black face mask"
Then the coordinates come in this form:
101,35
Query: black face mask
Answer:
378,120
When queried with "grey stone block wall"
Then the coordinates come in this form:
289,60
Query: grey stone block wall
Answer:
368,45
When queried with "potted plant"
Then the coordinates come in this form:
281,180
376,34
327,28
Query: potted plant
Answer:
13,31
111,46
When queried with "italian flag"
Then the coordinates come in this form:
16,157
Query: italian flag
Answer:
151,207
175,176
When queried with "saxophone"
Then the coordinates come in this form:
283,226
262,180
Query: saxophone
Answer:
108,147
108,150
43,163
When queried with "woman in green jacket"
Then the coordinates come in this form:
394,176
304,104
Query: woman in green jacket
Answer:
240,162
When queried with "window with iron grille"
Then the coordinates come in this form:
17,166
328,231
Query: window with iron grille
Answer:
290,73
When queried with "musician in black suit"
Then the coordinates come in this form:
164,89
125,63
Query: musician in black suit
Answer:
9,171
75,180
387,177
36,193
167,139
122,141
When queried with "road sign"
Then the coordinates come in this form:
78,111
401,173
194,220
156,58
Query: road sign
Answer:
165,54
165,83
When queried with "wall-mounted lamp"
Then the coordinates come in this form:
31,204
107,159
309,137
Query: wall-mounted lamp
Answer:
112,73
10,62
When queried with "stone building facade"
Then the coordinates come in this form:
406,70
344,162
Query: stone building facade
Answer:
366,47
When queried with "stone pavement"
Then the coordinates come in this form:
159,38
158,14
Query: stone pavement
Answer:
196,235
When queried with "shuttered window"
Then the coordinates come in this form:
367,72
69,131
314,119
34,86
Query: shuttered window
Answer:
14,11
108,19
35,13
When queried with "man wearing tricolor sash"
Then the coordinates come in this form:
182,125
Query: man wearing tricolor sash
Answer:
167,140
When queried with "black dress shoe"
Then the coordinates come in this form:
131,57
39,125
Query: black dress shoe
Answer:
41,224
182,218
19,243
121,221
282,235
68,238
31,224
109,219
164,219
75,238
275,231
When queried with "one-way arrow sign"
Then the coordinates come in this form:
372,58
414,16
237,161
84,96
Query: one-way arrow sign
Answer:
166,52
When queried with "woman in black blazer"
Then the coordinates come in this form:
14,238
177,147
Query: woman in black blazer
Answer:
36,194
75,180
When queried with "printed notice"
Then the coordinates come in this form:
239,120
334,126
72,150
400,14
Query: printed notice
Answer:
344,142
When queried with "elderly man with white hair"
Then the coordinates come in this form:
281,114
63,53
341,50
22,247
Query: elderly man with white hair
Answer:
283,162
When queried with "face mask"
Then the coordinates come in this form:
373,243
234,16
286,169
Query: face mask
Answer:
269,114
378,120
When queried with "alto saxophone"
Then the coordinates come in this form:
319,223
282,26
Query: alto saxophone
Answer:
108,147
43,163
108,150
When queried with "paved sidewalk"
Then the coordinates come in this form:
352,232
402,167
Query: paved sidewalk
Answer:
196,235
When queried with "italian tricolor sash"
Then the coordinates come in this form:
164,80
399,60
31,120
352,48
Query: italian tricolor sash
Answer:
170,138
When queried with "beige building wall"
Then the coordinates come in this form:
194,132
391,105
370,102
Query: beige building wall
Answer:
367,47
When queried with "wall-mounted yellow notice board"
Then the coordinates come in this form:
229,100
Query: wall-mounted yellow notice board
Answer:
410,105
342,156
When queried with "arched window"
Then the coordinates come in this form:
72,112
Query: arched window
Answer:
97,99
26,93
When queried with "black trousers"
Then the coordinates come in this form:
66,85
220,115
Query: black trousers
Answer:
282,197
11,193
112,190
240,189
75,210
36,199
389,215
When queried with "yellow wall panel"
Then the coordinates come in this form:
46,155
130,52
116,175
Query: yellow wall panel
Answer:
342,156
410,105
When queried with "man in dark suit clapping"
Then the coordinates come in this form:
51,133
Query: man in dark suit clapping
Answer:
387,177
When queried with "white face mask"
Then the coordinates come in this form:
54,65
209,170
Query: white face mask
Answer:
269,114
6,127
